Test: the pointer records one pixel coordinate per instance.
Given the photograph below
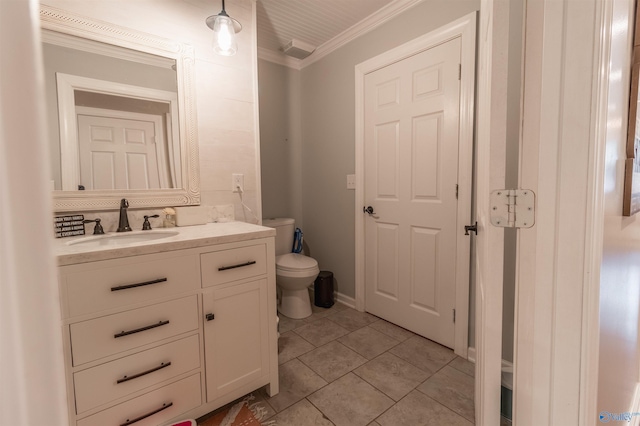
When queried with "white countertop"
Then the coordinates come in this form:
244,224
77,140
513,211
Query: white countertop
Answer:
68,251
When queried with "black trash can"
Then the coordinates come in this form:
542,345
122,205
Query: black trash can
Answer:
323,289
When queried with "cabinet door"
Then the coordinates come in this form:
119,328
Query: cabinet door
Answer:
236,336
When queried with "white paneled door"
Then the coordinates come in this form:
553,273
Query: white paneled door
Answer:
411,134
121,152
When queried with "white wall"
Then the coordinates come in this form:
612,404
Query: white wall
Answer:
31,360
620,269
225,92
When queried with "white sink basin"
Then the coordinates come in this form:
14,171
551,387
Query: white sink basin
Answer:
122,239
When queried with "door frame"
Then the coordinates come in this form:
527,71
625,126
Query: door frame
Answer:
465,29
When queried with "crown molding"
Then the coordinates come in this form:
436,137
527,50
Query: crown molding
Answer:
85,45
279,58
367,24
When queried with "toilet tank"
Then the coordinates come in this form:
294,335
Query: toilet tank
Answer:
285,228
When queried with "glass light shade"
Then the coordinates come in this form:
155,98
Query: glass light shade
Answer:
224,36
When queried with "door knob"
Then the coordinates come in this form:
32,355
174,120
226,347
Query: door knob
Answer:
370,212
472,228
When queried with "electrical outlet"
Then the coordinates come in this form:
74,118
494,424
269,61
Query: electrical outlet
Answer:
237,182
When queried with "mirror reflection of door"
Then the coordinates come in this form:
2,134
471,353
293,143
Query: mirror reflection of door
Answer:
121,151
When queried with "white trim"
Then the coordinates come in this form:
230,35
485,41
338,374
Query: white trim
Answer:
506,368
58,20
279,58
465,29
256,113
77,43
67,84
345,300
556,348
594,235
490,174
368,24
471,354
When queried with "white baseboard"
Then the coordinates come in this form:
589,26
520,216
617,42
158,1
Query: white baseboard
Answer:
345,300
338,297
507,369
471,355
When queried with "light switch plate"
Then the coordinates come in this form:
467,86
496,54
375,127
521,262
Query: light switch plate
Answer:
351,181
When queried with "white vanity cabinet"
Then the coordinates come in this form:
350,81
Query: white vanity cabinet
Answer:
236,319
169,334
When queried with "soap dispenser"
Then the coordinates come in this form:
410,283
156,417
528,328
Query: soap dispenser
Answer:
169,220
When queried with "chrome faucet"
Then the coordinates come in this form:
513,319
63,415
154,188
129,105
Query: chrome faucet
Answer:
123,225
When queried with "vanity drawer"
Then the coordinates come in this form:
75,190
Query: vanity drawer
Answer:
158,406
107,382
111,334
234,264
108,284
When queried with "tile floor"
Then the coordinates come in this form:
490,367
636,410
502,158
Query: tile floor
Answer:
347,368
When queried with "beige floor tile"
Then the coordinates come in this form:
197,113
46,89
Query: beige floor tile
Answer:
332,360
352,319
374,423
350,401
463,365
296,382
391,330
368,342
453,389
423,353
291,345
321,332
288,324
417,409
302,413
391,375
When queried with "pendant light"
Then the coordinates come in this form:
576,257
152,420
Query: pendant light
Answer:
224,32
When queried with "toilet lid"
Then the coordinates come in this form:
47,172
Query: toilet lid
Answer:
295,262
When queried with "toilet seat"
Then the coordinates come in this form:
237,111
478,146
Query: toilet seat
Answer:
294,262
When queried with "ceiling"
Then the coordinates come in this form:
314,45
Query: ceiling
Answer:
322,23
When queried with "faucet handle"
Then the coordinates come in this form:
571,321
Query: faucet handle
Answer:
146,225
97,230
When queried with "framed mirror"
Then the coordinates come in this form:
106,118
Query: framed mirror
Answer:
122,117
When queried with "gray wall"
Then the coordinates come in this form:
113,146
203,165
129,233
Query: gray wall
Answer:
280,141
328,129
327,149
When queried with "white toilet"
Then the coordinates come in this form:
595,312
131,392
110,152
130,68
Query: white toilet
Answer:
294,272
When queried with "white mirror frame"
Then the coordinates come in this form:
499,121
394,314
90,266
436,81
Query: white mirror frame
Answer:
73,201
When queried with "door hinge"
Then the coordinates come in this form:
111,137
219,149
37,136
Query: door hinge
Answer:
459,71
457,187
513,208
454,316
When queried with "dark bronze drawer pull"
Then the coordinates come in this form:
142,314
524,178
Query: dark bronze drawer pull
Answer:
128,286
138,330
144,373
240,265
137,419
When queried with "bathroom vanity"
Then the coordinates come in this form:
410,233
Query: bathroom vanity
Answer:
167,324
